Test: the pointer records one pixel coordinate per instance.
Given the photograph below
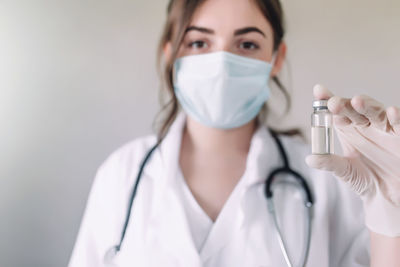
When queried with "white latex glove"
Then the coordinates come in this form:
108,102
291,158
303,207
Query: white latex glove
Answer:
370,138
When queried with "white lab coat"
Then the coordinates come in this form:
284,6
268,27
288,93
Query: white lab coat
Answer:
158,232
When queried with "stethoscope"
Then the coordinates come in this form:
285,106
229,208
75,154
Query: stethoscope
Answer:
285,169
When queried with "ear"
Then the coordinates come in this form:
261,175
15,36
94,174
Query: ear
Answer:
167,49
279,59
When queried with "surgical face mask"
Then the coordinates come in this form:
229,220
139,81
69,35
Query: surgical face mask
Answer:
221,89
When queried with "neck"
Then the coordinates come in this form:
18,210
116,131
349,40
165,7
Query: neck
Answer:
203,139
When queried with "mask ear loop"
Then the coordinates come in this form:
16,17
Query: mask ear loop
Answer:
274,59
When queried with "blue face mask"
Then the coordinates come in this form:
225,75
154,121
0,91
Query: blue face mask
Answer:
221,89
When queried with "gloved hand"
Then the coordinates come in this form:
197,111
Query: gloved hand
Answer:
370,138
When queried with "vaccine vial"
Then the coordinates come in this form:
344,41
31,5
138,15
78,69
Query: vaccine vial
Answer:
321,129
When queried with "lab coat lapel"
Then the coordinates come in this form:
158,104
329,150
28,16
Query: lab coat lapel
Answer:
263,158
225,228
237,211
173,233
169,218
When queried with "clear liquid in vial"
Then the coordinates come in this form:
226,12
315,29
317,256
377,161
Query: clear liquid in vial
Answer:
322,140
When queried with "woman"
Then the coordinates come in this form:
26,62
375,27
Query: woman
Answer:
200,200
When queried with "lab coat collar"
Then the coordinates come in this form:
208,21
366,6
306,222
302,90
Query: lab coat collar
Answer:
162,165
169,214
170,147
262,158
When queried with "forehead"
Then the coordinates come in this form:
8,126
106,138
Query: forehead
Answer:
228,15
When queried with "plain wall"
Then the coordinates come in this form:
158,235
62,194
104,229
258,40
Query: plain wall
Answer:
78,79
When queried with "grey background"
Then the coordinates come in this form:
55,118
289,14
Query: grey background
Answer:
78,79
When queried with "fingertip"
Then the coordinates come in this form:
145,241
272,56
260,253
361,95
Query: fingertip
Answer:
335,104
393,114
358,102
317,89
321,93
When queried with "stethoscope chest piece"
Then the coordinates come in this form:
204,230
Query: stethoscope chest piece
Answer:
110,256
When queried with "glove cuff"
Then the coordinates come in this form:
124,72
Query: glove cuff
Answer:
381,216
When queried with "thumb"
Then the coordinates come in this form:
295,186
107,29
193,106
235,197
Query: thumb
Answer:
347,169
340,166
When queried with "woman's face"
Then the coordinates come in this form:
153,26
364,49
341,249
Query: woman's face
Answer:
236,26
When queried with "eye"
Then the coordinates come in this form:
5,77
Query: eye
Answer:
248,46
197,44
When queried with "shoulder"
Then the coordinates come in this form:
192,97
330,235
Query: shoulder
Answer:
112,184
123,162
108,201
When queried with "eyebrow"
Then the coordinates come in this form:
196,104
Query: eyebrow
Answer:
247,30
236,32
200,29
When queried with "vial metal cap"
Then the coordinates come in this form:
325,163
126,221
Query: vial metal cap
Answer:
320,104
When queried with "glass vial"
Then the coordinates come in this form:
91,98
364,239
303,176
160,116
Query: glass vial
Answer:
321,129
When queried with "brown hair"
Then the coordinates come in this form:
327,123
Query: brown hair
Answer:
179,14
